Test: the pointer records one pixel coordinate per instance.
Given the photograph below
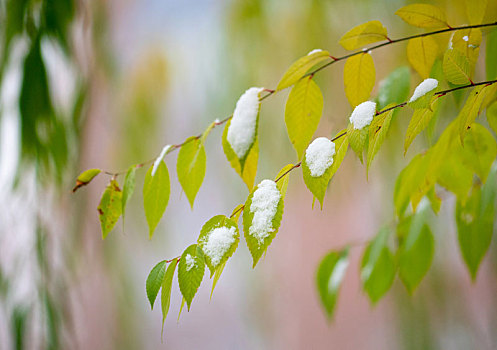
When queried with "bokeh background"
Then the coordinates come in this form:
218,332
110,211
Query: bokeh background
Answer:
106,84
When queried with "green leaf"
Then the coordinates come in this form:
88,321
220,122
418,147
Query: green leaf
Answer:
419,121
363,34
359,76
416,249
156,191
329,277
471,109
357,139
378,267
110,207
455,176
479,151
167,284
85,178
129,186
491,55
318,184
218,240
190,272
394,88
282,178
259,241
217,275
154,281
410,182
492,116
298,69
250,165
191,167
475,223
377,133
423,16
303,112
456,67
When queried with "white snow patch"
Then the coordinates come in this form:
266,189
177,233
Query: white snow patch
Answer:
363,114
337,274
264,206
465,38
190,262
314,51
422,89
319,156
241,132
218,243
159,158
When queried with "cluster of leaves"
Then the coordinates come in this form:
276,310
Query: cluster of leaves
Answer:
460,162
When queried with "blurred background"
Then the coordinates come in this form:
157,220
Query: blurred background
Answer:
106,84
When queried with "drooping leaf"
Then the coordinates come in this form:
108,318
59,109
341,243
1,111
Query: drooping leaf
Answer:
190,272
475,10
491,55
156,190
167,284
282,179
416,250
218,246
298,69
456,67
421,54
394,88
190,167
318,184
470,110
479,151
419,121
329,277
378,267
129,187
250,166
377,133
410,182
468,42
363,34
423,16
455,176
303,112
85,178
492,116
110,207
359,77
357,139
154,281
258,242
217,275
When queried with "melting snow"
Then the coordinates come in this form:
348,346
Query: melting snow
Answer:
241,132
159,158
314,51
190,262
363,114
264,206
465,38
422,89
218,243
319,156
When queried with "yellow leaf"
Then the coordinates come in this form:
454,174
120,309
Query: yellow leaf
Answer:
475,10
298,69
363,34
421,54
468,42
423,16
456,67
302,113
359,76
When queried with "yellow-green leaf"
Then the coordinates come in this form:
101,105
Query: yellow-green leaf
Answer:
282,178
250,166
191,270
363,34
85,177
468,42
359,77
156,191
298,69
128,187
456,67
423,16
167,284
377,133
421,54
110,207
357,139
479,150
419,121
191,167
470,110
475,10
303,113
492,116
